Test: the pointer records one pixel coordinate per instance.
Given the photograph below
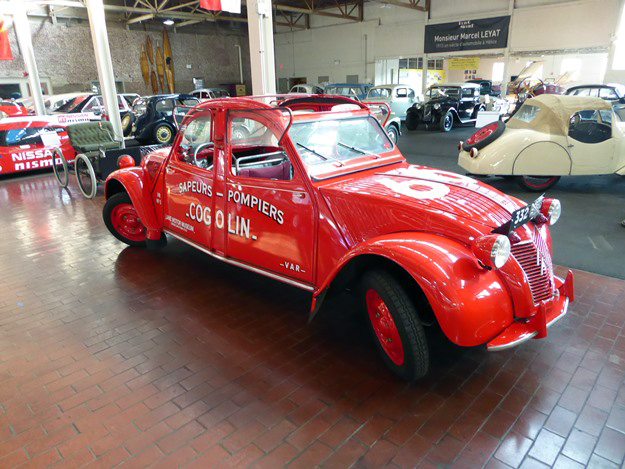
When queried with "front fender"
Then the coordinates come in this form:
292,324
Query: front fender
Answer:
137,184
472,304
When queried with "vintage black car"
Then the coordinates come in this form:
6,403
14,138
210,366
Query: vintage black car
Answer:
614,93
446,104
154,117
487,87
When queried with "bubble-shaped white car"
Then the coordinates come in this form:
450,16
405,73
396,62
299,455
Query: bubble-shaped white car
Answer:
548,137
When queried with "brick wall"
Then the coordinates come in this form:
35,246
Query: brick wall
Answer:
64,54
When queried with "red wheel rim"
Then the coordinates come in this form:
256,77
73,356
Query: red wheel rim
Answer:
539,185
481,134
126,222
384,327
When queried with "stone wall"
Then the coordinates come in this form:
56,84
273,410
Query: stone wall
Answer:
64,54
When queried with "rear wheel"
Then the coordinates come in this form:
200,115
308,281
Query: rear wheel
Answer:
537,183
85,176
395,326
447,122
126,124
164,134
122,220
59,166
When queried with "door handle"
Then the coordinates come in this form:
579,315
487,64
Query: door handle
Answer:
570,145
300,195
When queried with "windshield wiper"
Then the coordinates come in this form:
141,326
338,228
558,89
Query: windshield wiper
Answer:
314,152
357,150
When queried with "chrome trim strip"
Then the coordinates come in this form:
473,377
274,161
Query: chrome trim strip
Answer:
256,270
498,348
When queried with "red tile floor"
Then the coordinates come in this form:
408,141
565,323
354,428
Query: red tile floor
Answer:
117,356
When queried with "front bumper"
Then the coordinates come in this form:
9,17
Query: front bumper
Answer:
549,312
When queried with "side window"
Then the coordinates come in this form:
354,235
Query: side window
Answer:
121,103
411,93
402,92
586,127
25,136
606,117
607,93
94,105
467,92
165,106
196,144
255,149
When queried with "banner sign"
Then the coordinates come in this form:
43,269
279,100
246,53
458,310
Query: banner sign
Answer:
486,33
463,63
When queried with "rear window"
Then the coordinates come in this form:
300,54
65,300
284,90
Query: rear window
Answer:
527,113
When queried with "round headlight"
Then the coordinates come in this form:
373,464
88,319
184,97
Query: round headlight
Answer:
437,106
419,106
552,209
492,250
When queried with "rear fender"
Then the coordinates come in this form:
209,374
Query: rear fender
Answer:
472,305
136,183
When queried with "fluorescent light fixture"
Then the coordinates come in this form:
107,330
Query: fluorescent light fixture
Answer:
168,22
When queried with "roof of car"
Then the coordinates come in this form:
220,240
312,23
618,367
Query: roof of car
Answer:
556,111
349,84
392,86
464,85
170,95
39,121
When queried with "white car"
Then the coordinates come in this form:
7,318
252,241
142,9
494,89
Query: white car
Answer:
548,137
306,89
205,94
398,97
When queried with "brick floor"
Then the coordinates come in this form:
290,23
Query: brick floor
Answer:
112,355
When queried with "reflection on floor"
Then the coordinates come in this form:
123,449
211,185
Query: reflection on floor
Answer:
114,355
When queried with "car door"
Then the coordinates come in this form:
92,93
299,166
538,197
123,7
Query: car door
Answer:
467,102
188,194
590,142
269,218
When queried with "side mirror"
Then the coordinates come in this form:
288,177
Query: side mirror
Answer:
97,112
622,100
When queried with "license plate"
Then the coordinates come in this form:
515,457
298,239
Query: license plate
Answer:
521,216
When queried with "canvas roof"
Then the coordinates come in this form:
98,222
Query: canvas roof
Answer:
556,111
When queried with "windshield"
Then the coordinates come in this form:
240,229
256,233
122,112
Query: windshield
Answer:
380,93
327,144
451,91
73,104
139,106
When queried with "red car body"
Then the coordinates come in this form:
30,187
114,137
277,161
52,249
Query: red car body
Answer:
12,109
328,223
21,145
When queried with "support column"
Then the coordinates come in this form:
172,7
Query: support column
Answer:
260,30
22,29
424,68
506,53
99,36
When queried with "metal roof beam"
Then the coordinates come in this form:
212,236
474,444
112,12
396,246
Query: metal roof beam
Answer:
313,11
412,4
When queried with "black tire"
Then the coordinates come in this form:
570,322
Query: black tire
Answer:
85,175
164,134
537,183
61,172
393,133
116,200
499,127
412,119
447,122
405,321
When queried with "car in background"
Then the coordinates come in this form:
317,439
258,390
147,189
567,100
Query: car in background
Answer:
91,107
446,104
399,97
349,90
303,88
486,87
210,93
155,121
28,143
11,108
614,93
326,203
549,136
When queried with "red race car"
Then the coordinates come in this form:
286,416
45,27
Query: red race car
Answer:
11,109
324,201
27,143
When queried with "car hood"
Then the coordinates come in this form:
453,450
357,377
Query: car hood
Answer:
416,198
441,100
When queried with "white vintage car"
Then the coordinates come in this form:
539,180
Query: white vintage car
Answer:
550,136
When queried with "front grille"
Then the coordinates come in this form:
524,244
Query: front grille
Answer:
534,258
427,112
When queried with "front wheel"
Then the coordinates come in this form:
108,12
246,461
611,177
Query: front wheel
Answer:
59,166
447,122
393,133
537,183
122,220
85,175
395,326
412,120
164,134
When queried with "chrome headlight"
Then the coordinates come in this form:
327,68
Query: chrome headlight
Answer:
493,251
551,209
419,106
437,106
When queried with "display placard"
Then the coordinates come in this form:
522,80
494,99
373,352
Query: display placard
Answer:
486,33
463,63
